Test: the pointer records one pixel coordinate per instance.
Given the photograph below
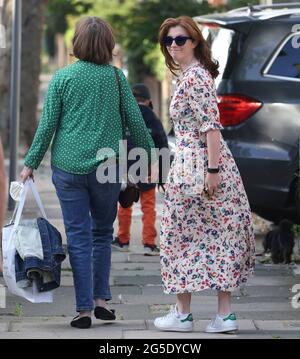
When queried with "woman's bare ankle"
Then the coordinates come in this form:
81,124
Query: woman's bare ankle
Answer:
100,303
85,313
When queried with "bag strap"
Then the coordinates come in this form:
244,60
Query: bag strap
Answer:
37,198
28,184
122,113
121,103
13,217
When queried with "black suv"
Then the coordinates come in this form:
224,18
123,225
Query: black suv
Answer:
258,49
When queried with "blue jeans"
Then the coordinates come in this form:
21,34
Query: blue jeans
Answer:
89,210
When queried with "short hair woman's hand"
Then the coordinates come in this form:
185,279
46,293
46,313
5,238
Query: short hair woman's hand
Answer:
26,173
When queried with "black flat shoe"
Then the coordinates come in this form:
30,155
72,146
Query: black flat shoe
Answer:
81,322
104,314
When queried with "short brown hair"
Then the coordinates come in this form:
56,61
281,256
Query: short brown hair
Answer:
93,40
202,51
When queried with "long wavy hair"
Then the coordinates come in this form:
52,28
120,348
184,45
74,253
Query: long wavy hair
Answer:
202,51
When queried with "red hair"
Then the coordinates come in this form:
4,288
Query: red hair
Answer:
202,51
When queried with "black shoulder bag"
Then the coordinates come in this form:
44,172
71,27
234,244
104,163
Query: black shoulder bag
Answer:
131,193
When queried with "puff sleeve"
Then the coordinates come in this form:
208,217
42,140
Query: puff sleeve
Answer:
202,100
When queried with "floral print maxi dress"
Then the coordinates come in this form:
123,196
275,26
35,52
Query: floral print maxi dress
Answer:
205,242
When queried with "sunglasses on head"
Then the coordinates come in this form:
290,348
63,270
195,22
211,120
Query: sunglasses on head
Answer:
179,40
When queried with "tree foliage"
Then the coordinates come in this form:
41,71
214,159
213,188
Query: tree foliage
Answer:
56,18
58,10
137,23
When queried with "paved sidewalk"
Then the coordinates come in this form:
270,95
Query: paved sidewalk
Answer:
264,307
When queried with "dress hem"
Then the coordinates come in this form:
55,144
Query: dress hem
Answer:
230,289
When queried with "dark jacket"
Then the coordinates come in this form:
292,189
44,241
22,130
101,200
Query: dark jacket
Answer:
159,137
46,272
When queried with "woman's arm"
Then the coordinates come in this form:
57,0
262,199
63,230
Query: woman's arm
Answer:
213,147
45,130
212,180
202,99
46,127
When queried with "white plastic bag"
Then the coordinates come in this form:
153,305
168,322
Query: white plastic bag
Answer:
9,251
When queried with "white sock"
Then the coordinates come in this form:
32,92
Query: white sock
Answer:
181,315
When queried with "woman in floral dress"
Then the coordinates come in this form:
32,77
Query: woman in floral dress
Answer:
207,239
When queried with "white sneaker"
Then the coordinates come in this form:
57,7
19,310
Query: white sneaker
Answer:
222,325
173,322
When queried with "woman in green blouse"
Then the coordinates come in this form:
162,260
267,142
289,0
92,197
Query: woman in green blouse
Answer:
81,111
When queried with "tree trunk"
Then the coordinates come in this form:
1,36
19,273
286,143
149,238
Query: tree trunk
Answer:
5,57
61,55
32,29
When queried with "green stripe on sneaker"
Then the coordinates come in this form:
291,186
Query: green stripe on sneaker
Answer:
231,316
189,318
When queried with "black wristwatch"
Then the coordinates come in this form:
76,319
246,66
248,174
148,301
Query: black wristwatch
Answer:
213,170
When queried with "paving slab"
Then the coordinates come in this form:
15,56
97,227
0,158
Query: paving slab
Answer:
268,315
265,291
135,266
289,325
58,327
137,280
137,258
271,281
137,273
3,327
125,290
197,334
259,300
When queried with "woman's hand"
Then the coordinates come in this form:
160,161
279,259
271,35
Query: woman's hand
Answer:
26,173
212,181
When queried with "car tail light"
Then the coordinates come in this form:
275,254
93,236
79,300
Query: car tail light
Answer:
235,109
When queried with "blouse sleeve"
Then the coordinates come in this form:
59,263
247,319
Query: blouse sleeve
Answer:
202,100
47,125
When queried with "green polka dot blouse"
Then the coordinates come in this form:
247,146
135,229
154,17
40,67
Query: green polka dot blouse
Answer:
81,110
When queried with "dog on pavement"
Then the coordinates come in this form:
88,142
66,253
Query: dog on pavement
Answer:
280,242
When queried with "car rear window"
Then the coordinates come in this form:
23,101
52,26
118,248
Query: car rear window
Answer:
225,45
286,62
